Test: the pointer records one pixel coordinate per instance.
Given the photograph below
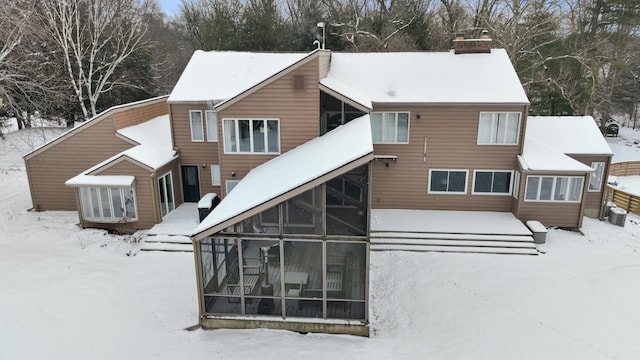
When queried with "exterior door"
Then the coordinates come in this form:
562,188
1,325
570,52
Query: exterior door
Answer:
190,183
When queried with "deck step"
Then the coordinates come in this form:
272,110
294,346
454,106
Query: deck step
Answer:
454,243
455,249
173,239
162,242
172,247
449,236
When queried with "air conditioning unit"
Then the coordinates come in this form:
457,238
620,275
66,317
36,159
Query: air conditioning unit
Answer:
607,208
617,216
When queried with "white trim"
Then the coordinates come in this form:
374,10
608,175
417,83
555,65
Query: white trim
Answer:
212,122
595,172
553,188
516,184
466,181
86,190
396,113
219,182
251,151
494,127
173,197
201,125
473,185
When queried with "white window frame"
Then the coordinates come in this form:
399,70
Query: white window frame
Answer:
495,131
508,193
215,174
516,184
599,178
554,184
227,148
172,205
230,184
381,126
89,214
191,113
466,182
212,125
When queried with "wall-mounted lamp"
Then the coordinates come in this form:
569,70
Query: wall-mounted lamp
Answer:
204,166
418,116
233,174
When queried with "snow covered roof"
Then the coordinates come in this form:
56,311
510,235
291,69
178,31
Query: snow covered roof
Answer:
569,134
425,77
155,150
549,139
342,146
100,180
221,75
103,115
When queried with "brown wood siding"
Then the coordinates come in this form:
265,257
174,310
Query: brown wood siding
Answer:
193,152
594,199
551,213
298,111
139,114
451,133
146,194
48,170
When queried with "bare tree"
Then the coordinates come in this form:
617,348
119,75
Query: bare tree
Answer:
95,37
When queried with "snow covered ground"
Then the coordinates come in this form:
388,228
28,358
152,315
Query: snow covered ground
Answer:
68,293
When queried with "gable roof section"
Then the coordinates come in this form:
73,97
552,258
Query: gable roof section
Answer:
154,150
218,76
292,173
94,120
426,77
550,139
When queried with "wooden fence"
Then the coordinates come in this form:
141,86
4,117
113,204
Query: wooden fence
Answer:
622,199
628,168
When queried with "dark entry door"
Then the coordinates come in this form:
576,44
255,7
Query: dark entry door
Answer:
190,184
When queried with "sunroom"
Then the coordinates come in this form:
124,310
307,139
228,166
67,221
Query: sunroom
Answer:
288,247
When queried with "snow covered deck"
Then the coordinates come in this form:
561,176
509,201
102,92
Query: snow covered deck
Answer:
180,221
450,222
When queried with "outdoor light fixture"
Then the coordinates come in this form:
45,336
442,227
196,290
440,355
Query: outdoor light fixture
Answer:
233,174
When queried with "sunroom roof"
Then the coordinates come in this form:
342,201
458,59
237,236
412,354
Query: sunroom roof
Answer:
349,144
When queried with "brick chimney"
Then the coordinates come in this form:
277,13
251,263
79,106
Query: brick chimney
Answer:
472,46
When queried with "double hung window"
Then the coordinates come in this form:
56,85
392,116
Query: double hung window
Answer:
197,130
251,136
390,127
498,128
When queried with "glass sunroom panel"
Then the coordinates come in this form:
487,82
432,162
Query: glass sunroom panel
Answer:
106,204
86,202
261,276
350,219
533,183
575,189
303,278
546,188
303,213
346,270
130,203
95,203
116,199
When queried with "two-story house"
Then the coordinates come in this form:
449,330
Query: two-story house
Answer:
304,147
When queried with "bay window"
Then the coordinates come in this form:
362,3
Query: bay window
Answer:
554,188
108,204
